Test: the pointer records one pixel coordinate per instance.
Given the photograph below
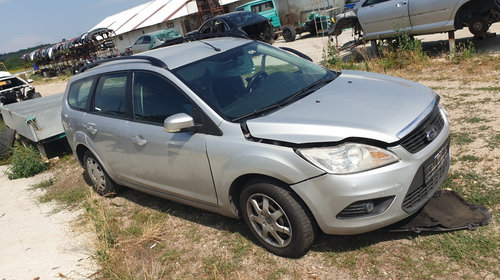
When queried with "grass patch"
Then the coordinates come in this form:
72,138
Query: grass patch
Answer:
461,138
470,158
492,89
494,141
25,162
44,184
476,120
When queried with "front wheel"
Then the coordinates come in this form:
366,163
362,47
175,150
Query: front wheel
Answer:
277,219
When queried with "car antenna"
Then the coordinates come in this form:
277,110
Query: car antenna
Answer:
208,44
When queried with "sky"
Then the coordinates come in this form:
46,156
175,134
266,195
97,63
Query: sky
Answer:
28,23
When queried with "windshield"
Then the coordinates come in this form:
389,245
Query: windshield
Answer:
10,83
250,78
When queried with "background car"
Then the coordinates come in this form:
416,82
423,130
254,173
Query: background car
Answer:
14,89
239,24
380,19
156,39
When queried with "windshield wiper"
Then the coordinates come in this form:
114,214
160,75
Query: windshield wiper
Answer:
257,112
307,90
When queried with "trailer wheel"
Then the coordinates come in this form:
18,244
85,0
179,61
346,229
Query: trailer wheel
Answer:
289,33
7,138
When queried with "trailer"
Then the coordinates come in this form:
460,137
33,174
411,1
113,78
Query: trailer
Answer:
36,121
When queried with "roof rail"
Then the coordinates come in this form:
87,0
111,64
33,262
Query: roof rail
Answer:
153,60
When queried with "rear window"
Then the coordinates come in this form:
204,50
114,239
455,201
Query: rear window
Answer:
79,93
245,18
110,97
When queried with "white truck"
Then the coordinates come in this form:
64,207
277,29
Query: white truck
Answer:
380,19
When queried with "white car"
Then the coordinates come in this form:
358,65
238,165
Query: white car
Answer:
14,89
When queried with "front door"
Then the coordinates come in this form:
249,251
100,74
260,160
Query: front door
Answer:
172,163
383,18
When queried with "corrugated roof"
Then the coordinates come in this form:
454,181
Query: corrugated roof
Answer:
150,13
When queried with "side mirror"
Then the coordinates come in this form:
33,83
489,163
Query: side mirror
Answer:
178,122
29,81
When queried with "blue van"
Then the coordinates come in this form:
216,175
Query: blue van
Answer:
265,8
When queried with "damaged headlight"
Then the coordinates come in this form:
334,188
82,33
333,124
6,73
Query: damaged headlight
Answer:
348,158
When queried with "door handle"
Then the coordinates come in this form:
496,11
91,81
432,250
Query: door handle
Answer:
400,4
91,128
139,140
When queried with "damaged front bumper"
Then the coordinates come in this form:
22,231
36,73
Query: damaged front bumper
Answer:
362,202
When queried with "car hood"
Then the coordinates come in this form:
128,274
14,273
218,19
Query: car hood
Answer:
356,104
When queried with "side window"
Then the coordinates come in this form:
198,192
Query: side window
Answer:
146,40
207,28
155,98
110,96
79,93
373,2
219,26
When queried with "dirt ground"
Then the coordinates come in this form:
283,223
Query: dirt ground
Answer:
50,88
37,241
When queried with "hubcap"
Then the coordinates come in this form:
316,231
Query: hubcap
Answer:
269,220
96,174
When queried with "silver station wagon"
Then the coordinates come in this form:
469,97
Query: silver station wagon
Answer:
250,131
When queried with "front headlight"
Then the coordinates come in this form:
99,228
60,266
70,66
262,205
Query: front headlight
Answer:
348,158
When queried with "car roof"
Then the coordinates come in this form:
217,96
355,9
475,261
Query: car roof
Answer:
4,74
182,54
242,18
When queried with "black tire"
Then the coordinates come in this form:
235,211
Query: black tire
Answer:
298,229
101,183
289,33
7,138
478,27
36,95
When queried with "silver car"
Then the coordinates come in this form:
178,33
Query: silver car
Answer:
248,130
380,19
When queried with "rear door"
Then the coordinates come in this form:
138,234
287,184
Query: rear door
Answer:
429,15
106,121
172,163
382,18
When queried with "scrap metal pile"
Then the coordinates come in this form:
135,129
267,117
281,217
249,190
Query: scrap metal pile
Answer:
74,53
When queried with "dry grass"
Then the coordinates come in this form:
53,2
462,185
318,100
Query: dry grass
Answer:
143,237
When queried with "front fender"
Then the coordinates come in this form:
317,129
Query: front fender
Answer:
230,161
343,21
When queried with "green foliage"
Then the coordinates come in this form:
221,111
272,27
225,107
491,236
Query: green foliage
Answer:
333,60
25,162
402,52
13,60
465,51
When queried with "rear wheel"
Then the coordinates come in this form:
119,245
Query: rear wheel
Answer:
101,183
289,33
277,219
7,138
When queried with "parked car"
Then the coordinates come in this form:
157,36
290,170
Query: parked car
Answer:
244,129
241,24
380,19
14,89
156,39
